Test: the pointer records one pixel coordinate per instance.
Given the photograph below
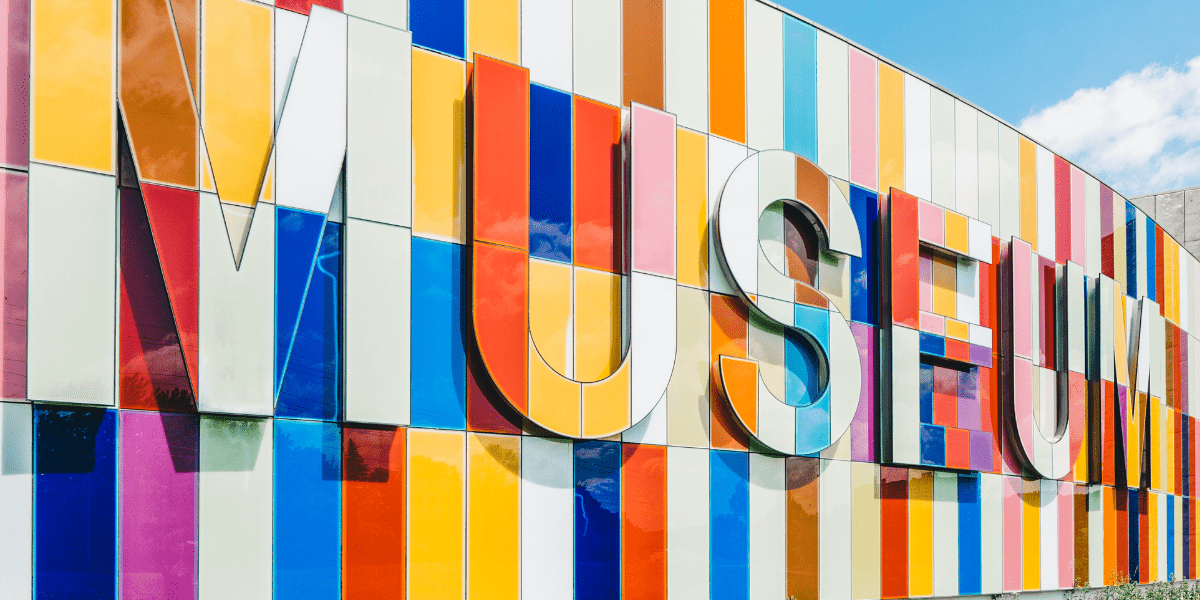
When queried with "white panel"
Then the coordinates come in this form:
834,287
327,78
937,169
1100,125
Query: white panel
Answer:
1048,533
546,42
768,528
776,421
1010,184
777,181
833,106
979,241
941,118
773,284
235,508
652,331
376,280
980,336
835,530
1092,238
918,166
597,49
686,75
737,223
547,518
1075,316
1045,203
723,157
906,394
966,159
1178,540
687,525
393,13
1158,354
765,346
989,171
237,314
311,143
1106,292
1095,536
967,291
652,429
16,496
843,226
289,31
764,77
845,376
991,534
72,286
1162,535
379,124
945,534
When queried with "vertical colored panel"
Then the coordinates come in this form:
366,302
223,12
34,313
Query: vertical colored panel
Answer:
727,336
865,530
373,505
688,532
494,29
75,495
546,41
644,522
653,192
596,49
729,501
493,516
1062,209
920,538
438,351
864,117
160,462
833,106
691,208
597,520
688,411
439,25
966,159
439,144
1029,199
14,277
727,69
308,509
436,466
800,88
970,567
891,129
942,151
764,76
547,516
642,52
549,174
597,230
501,96
16,495
893,529
597,325
1031,540
14,105
803,526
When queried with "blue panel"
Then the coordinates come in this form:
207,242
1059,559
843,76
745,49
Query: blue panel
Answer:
311,383
439,25
549,174
933,445
1170,537
297,241
1131,256
933,344
75,509
802,375
308,510
597,520
864,284
926,393
970,557
800,88
729,503
1151,259
439,395
1134,545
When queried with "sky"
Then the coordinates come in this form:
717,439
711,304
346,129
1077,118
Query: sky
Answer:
1113,86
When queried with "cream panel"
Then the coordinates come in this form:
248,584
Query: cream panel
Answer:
833,106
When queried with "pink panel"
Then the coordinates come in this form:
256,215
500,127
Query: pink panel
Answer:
1021,255
864,140
14,102
14,238
925,284
1023,402
1078,220
931,223
1012,534
159,464
653,134
1066,534
935,324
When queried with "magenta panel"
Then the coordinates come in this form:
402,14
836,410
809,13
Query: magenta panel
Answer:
14,101
159,464
14,239
1022,339
862,427
864,120
653,191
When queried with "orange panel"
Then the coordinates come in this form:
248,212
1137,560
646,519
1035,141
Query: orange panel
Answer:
373,495
727,337
727,69
501,319
644,513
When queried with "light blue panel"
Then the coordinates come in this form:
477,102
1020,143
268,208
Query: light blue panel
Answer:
812,420
308,510
439,396
729,519
800,88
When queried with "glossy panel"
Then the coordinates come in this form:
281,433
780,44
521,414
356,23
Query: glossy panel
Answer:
439,145
307,509
686,49
833,106
597,477
16,492
642,56
727,69
865,542
864,119
800,88
501,101
494,29
691,209
597,208
546,42
644,522
14,105
438,338
15,277
439,25
547,516
493,516
966,159
549,196
653,191
891,128
596,42
730,513
835,529
764,77
435,519
941,111
373,494
687,393
918,169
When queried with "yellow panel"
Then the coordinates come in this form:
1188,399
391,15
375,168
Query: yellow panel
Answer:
550,312
687,394
1134,415
1169,454
494,516
920,533
435,516
864,543
606,404
554,401
74,83
956,232
1028,174
495,29
691,207
958,330
1030,539
597,324
945,286
439,146
891,129
238,103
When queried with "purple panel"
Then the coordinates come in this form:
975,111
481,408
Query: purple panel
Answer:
14,102
1122,404
981,356
968,399
159,464
862,427
14,239
981,451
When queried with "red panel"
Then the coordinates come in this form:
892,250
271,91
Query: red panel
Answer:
1062,211
14,239
1047,299
373,494
803,527
499,301
1106,256
644,516
500,93
486,408
945,396
893,532
597,170
958,448
1077,398
905,258
174,216
727,335
956,350
154,375
995,285
305,6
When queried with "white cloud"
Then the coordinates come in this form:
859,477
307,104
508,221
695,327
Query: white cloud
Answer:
1140,133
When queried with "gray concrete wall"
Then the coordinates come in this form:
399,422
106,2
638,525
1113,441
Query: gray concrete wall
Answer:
1177,212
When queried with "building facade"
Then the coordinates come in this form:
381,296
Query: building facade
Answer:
664,299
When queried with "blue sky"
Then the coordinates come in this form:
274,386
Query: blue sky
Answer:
1106,83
